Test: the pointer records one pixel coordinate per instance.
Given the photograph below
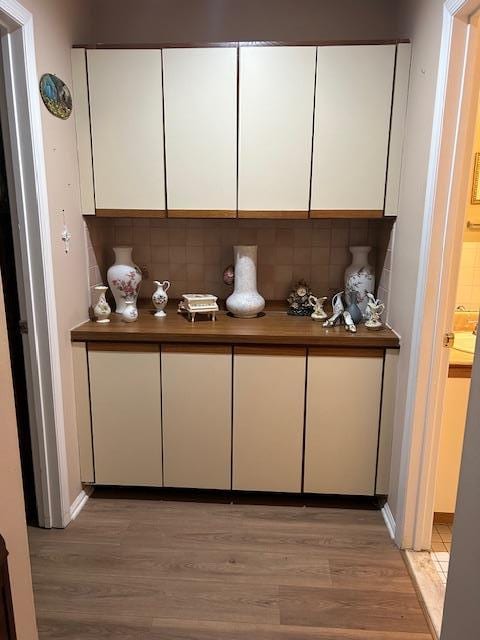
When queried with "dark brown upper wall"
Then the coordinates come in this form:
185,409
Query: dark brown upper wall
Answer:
200,21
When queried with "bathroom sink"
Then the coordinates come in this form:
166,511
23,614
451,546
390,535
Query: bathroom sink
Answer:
465,341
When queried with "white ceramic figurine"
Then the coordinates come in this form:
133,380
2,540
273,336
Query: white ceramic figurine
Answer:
375,308
318,310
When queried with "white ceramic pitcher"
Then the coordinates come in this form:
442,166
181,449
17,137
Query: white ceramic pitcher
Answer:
160,297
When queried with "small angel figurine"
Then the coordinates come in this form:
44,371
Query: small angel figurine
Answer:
318,310
375,308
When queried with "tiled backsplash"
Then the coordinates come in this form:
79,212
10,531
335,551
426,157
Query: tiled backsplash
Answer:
468,288
193,254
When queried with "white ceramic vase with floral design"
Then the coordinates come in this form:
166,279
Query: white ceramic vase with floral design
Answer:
360,277
124,278
101,310
245,301
130,311
160,297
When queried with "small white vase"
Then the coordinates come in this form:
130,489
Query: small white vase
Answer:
124,278
102,309
360,277
160,297
130,312
245,301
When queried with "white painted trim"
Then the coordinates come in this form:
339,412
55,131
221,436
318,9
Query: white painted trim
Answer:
389,520
28,163
79,502
457,86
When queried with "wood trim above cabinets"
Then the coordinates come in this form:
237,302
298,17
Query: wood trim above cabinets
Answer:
201,213
135,347
346,352
188,347
131,213
346,213
262,350
236,43
273,215
343,214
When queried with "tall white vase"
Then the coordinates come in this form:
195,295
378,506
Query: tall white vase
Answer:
360,277
245,301
124,278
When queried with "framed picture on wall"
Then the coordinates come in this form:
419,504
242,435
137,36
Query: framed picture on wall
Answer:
476,180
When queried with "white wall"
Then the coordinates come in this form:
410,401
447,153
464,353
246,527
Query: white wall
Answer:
154,21
422,21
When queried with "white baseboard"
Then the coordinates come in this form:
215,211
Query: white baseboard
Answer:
78,504
389,520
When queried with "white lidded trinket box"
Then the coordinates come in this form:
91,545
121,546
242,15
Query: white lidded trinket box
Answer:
193,303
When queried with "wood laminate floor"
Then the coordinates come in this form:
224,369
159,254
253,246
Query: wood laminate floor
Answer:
161,570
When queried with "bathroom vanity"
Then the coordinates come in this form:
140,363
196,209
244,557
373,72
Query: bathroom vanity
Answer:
275,404
453,420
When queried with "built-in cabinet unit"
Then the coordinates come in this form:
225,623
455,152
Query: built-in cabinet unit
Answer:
197,415
247,131
353,102
276,89
268,402
344,389
248,418
126,413
126,110
201,131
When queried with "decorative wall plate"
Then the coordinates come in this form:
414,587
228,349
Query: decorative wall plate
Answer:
56,95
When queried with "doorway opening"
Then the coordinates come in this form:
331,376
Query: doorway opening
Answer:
20,116
10,270
448,318
461,340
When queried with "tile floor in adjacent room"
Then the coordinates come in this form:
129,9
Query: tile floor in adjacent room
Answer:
441,545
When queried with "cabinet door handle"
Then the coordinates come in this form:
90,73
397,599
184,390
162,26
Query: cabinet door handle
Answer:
449,340
473,226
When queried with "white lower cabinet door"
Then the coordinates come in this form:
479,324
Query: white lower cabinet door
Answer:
268,416
454,416
197,415
344,390
126,413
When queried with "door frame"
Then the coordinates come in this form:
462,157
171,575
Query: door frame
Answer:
458,83
30,203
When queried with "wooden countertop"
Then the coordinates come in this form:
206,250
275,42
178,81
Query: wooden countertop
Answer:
275,327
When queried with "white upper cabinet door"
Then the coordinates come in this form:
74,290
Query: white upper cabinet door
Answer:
201,130
397,133
126,107
82,124
275,129
352,122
